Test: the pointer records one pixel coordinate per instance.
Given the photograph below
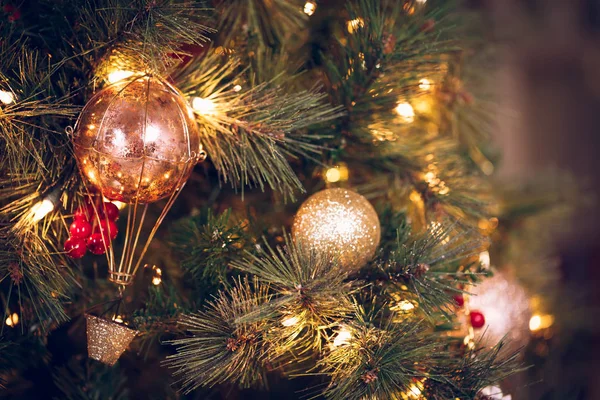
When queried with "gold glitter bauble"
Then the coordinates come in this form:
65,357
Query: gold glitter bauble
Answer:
340,223
107,340
137,140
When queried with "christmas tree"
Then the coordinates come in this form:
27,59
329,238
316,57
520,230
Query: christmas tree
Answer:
252,199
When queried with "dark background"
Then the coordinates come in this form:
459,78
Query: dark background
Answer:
550,81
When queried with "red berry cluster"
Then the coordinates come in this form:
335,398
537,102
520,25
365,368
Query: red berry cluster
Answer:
12,12
93,229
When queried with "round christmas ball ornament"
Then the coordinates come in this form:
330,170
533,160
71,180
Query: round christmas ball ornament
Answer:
477,319
340,223
505,305
137,141
75,247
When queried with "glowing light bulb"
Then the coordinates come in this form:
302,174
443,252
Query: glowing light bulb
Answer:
12,320
41,209
119,75
484,259
406,112
406,305
414,391
309,8
6,97
156,280
237,88
118,319
538,322
204,106
343,337
424,84
420,1
290,321
354,24
337,173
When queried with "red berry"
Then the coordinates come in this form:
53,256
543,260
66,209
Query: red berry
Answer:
459,300
477,319
96,245
84,212
75,247
80,228
108,228
110,211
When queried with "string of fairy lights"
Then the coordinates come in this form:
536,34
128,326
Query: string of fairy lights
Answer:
491,302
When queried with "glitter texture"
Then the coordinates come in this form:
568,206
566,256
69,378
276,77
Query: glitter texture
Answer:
107,340
137,140
505,306
341,223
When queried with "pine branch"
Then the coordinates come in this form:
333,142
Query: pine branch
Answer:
429,268
207,244
144,34
464,375
379,360
91,381
268,22
222,349
311,296
250,133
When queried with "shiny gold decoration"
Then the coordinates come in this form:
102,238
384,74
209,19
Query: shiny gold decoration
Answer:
107,340
505,306
340,223
137,141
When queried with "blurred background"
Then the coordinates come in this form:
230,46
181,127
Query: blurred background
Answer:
550,92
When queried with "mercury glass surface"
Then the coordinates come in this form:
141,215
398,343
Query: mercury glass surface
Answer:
137,140
340,223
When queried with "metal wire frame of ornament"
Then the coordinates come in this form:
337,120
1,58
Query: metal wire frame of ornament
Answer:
121,272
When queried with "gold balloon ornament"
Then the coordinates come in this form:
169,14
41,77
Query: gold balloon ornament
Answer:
137,142
339,223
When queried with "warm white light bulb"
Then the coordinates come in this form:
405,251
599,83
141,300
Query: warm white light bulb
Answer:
119,75
12,320
484,259
290,321
203,106
424,84
355,24
405,111
41,209
6,97
310,7
343,337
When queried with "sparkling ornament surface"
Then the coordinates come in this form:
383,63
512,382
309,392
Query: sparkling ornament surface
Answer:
107,340
137,140
505,305
341,223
